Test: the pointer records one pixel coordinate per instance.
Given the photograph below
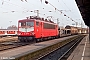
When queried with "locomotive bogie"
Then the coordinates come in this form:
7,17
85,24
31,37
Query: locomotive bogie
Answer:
26,39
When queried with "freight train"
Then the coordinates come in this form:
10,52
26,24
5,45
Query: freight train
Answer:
39,29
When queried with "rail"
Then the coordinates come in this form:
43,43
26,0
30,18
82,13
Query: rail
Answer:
11,45
36,55
61,52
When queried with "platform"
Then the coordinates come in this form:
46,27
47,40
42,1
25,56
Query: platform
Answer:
82,51
20,51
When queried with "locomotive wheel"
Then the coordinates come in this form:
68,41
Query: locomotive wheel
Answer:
20,40
41,39
23,40
56,37
37,40
28,40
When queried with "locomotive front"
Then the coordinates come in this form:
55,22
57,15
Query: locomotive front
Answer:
26,30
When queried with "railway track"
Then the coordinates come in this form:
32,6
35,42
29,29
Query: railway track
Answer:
11,45
8,39
62,53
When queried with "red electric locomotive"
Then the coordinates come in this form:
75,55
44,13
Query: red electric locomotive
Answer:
34,29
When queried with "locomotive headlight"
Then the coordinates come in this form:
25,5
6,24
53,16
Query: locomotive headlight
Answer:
27,33
19,33
32,33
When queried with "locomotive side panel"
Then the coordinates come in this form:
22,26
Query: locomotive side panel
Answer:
38,29
49,30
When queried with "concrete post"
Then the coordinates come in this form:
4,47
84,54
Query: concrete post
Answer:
37,11
89,35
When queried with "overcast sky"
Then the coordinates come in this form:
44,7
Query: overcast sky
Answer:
14,10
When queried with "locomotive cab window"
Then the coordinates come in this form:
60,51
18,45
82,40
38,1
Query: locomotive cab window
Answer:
37,23
22,24
30,23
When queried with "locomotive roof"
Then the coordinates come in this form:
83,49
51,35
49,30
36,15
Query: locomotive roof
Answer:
26,20
36,20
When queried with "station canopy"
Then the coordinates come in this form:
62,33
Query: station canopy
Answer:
84,7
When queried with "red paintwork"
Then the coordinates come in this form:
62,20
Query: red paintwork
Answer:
8,32
39,31
2,32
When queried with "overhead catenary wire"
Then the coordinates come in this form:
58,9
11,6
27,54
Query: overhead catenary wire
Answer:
13,11
67,7
10,3
59,10
14,4
27,10
55,9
